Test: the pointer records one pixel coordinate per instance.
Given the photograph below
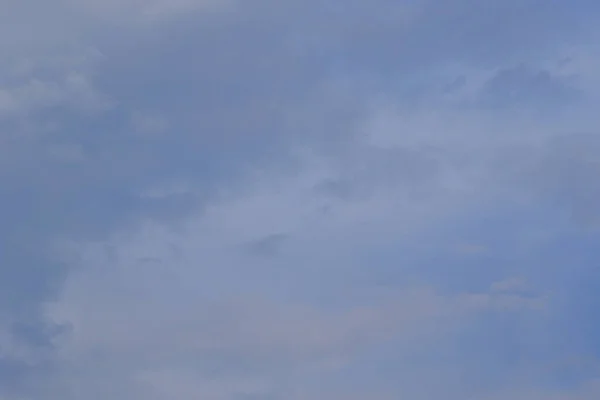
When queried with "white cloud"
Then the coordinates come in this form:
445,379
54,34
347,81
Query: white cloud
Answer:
164,305
141,11
73,91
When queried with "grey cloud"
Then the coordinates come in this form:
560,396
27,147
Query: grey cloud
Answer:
568,174
269,245
523,87
394,38
560,172
455,85
416,171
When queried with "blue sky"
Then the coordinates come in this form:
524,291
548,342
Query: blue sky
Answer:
286,200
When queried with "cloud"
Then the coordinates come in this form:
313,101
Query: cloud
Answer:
517,85
249,318
74,91
285,200
140,11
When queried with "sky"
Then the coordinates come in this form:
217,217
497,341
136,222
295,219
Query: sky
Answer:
299,200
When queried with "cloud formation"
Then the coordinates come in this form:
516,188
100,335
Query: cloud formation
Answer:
288,200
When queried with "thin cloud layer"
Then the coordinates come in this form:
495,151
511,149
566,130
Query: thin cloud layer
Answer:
291,200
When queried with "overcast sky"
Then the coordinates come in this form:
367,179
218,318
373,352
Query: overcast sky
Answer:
299,200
